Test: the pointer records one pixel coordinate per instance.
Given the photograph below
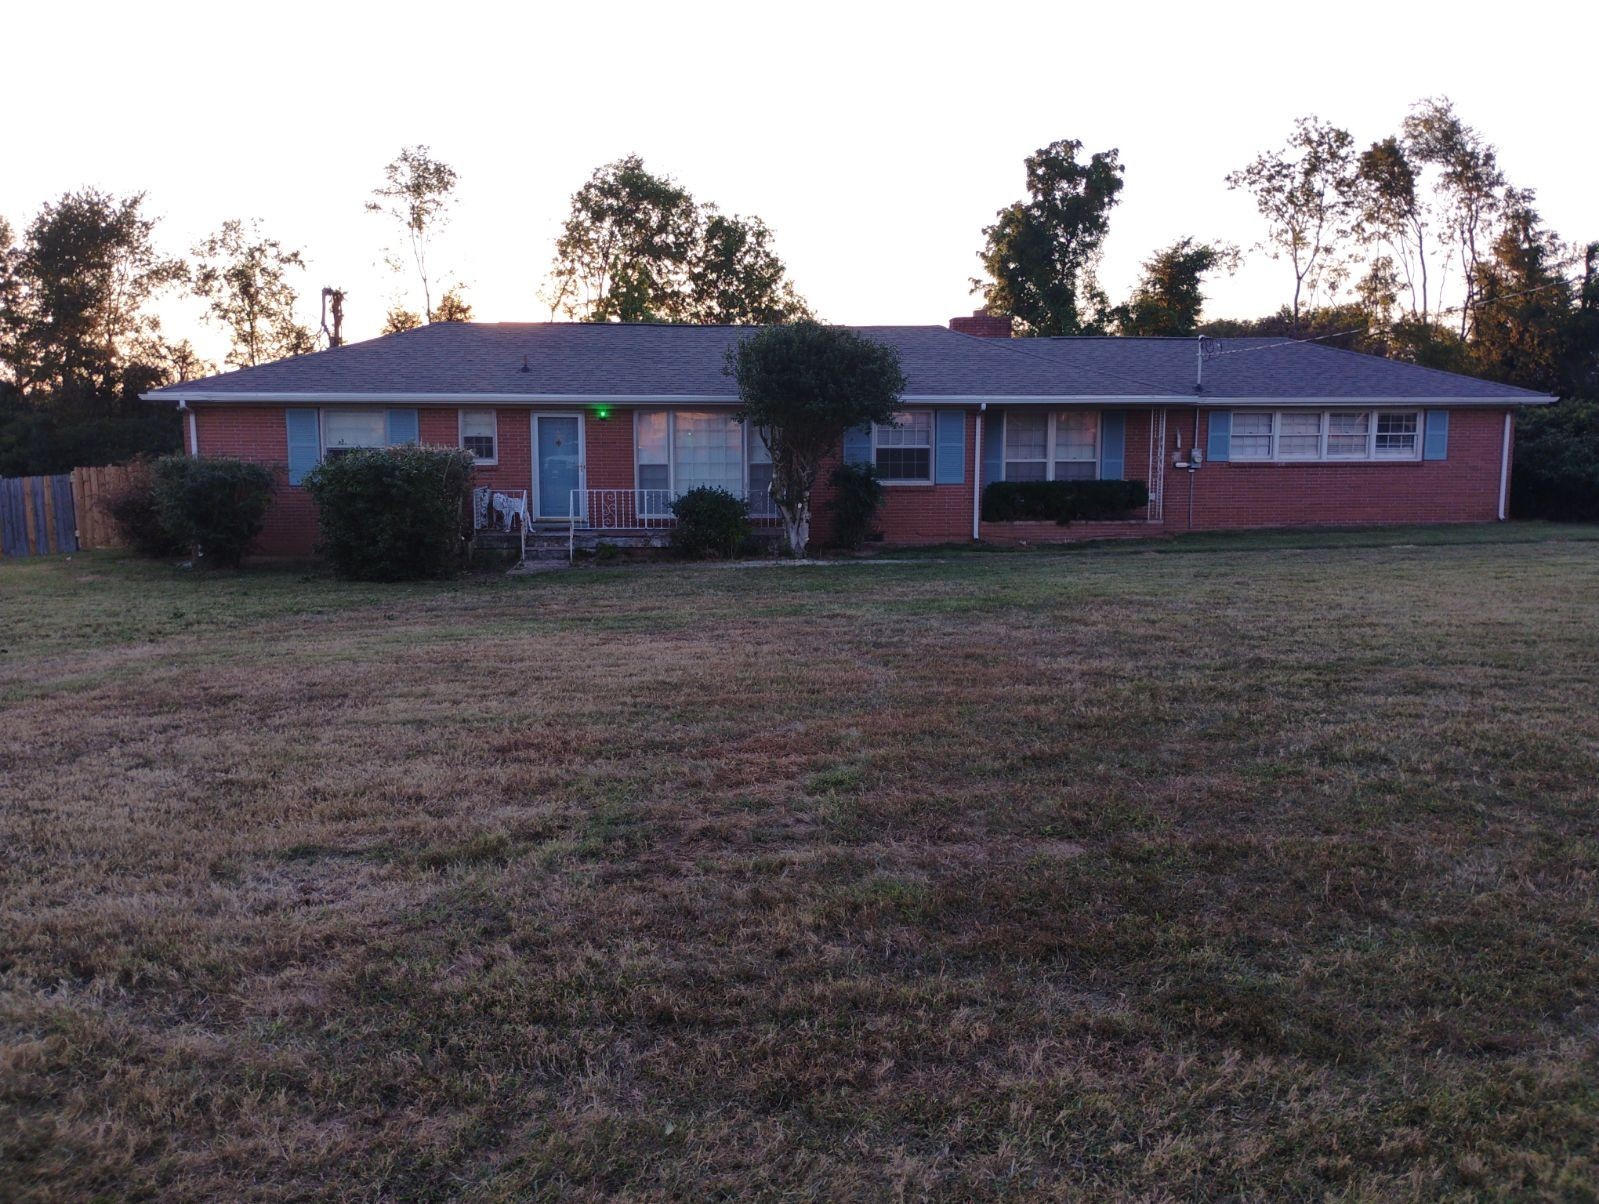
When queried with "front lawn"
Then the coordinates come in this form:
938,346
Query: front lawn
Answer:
1262,867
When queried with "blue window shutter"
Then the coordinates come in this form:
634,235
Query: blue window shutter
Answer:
305,443
404,427
993,447
1112,445
1219,447
1436,444
858,445
950,464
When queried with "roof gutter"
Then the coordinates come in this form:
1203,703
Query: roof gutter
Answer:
374,397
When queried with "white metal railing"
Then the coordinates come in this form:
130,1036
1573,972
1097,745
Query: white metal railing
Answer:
639,510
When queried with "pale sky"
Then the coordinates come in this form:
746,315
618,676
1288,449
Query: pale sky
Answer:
876,140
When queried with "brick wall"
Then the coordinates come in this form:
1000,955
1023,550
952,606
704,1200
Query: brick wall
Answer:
608,450
911,514
1462,488
260,433
1135,467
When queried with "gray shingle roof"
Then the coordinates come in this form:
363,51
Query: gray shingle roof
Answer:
617,362
1265,368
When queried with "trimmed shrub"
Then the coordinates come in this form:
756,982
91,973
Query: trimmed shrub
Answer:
1557,463
857,497
710,522
132,509
1062,501
394,513
213,504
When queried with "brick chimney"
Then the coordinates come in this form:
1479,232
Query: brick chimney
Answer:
983,324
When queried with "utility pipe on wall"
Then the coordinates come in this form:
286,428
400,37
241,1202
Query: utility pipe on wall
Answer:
977,475
1504,472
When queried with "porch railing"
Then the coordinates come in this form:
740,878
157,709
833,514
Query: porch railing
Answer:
502,510
640,510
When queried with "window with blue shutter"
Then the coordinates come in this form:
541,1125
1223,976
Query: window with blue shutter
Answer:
305,443
949,464
403,427
1219,447
1112,445
858,445
1436,444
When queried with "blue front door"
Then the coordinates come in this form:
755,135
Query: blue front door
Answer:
556,452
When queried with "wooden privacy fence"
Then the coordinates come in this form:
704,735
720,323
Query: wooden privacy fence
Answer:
90,487
62,513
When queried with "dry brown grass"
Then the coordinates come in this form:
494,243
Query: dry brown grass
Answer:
1225,872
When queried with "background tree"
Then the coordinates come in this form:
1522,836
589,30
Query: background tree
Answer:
1470,188
1304,191
78,320
1168,297
625,247
637,247
735,277
1040,255
417,192
1523,301
1391,212
453,306
78,339
400,319
802,386
244,277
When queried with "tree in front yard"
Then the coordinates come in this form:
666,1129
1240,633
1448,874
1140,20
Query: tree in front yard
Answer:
803,386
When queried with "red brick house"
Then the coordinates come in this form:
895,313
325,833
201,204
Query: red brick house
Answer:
608,422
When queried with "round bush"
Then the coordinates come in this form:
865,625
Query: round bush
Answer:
394,513
857,496
710,522
132,509
212,504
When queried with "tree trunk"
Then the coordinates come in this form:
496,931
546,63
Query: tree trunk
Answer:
797,526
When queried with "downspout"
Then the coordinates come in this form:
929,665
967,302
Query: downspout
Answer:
1504,472
194,431
977,475
1193,445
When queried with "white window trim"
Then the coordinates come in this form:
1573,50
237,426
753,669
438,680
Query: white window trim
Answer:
752,437
1051,447
746,433
460,431
932,451
1323,456
322,427
1419,435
